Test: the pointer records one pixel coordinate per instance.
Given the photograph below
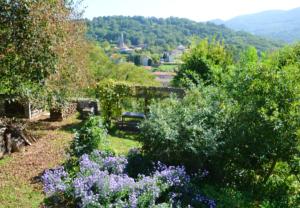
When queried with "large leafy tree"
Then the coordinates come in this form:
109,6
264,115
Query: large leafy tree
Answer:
263,128
41,47
204,63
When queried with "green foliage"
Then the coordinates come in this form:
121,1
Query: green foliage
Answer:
26,57
111,94
103,68
263,127
42,52
227,197
186,131
165,34
244,128
90,137
204,63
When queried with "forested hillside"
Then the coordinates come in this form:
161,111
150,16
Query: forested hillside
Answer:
280,25
163,34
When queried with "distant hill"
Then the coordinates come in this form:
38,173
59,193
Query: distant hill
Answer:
276,24
164,34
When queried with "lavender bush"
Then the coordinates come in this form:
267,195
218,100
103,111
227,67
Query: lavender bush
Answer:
102,181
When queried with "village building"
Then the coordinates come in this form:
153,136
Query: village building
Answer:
123,47
145,61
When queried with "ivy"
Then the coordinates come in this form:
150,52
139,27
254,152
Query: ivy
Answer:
111,94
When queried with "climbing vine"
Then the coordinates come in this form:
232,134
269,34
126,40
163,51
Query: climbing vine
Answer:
111,94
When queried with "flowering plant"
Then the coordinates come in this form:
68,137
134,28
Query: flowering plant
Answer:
102,181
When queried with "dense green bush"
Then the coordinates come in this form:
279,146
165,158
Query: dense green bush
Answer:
186,131
204,63
262,129
243,130
91,136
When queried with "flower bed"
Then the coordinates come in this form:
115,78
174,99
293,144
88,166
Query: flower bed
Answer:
102,180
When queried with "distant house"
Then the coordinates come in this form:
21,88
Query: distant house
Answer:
145,61
171,56
168,57
181,48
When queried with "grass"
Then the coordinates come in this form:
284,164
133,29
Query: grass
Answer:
166,68
19,172
122,145
5,160
17,193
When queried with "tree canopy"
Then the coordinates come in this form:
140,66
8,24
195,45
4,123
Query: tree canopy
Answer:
41,47
203,63
160,34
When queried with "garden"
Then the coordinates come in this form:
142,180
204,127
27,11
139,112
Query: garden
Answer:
226,134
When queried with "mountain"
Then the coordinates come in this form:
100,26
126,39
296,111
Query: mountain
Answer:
160,34
276,24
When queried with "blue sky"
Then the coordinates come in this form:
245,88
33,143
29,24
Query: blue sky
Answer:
199,10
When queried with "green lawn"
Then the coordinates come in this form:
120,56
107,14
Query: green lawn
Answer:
122,145
166,68
15,193
5,160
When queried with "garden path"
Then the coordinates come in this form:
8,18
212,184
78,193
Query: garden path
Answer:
19,173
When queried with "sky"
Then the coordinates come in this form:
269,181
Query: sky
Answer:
198,10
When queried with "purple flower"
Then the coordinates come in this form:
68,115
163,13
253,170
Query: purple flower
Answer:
87,165
54,180
173,176
102,182
202,199
115,165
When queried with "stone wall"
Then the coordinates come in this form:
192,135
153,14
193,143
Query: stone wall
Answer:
60,114
88,103
29,111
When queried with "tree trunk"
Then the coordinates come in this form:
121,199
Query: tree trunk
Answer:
266,178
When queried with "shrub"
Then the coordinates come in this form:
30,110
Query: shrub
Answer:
111,94
91,136
97,184
203,63
262,129
187,131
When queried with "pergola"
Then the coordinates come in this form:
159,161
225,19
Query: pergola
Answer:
148,93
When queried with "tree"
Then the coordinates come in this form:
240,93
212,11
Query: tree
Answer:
41,48
102,68
264,124
25,48
203,64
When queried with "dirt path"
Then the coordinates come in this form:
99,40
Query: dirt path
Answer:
18,172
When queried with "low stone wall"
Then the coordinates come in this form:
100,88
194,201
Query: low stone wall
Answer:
83,104
25,111
63,113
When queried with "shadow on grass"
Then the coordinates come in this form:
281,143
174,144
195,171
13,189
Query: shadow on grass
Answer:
115,131
70,128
